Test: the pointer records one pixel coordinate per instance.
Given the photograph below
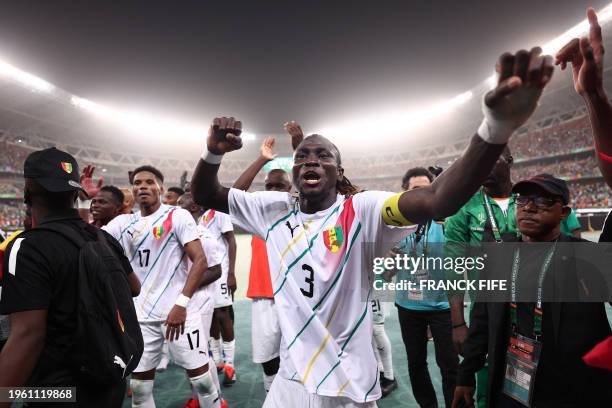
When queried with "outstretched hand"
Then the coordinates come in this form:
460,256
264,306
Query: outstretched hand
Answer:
522,77
267,149
87,182
224,135
586,58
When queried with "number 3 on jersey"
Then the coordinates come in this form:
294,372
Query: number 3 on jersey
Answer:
309,279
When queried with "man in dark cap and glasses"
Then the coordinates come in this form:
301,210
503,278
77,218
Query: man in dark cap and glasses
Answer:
534,344
40,287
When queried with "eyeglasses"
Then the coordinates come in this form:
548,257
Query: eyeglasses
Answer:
539,201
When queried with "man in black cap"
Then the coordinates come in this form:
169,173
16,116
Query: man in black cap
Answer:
551,336
40,288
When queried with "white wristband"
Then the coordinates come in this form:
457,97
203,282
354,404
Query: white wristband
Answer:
83,204
494,133
211,158
182,300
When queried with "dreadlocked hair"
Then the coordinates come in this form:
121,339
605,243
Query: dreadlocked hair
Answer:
346,188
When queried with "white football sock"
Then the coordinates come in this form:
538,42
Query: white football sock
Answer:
215,349
142,393
229,347
267,381
207,394
383,344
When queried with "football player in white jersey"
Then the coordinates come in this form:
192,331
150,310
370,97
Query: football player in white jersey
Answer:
161,241
321,244
214,256
220,226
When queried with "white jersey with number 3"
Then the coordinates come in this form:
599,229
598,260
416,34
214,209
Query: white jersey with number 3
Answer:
321,270
154,245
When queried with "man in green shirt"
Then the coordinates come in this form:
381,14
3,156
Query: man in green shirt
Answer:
484,218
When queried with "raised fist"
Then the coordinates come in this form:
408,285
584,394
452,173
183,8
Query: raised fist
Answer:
224,135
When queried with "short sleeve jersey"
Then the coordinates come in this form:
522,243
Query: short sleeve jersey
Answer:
218,223
154,245
320,267
204,296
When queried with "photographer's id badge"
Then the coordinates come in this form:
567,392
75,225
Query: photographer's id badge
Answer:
521,365
416,293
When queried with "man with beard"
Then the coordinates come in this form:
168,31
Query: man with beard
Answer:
316,242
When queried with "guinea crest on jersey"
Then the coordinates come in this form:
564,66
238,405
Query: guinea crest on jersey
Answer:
319,269
154,245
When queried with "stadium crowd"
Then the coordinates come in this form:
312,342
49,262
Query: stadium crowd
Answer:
105,283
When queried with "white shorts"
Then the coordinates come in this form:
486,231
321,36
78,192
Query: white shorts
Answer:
223,296
190,351
286,393
378,311
265,330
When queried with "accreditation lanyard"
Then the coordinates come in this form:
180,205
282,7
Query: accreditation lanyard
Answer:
489,210
537,310
420,233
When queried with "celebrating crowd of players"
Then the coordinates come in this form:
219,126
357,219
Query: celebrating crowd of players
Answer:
317,325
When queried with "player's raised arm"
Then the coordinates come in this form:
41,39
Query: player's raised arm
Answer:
266,154
223,137
296,133
522,76
586,58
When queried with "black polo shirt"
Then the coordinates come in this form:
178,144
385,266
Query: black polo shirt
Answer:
40,272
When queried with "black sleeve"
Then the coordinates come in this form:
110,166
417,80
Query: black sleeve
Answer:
118,250
606,233
476,346
27,281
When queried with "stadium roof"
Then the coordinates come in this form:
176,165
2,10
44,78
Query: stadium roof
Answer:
31,108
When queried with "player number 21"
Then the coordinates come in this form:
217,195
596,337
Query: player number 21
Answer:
309,279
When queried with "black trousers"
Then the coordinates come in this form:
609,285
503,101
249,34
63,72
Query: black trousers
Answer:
413,324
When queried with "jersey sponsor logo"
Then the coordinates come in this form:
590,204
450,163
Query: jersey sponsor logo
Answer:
161,231
67,167
288,224
333,238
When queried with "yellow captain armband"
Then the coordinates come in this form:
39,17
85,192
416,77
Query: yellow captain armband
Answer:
391,213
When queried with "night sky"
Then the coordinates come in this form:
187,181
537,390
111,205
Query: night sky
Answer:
270,61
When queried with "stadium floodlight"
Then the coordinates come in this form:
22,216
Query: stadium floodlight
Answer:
579,30
248,137
405,119
28,80
412,119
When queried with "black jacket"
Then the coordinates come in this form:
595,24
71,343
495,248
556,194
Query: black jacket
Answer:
577,328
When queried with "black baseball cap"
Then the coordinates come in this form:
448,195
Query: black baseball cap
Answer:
546,182
53,169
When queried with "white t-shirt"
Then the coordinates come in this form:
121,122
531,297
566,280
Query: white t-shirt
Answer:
320,266
154,245
203,298
218,223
